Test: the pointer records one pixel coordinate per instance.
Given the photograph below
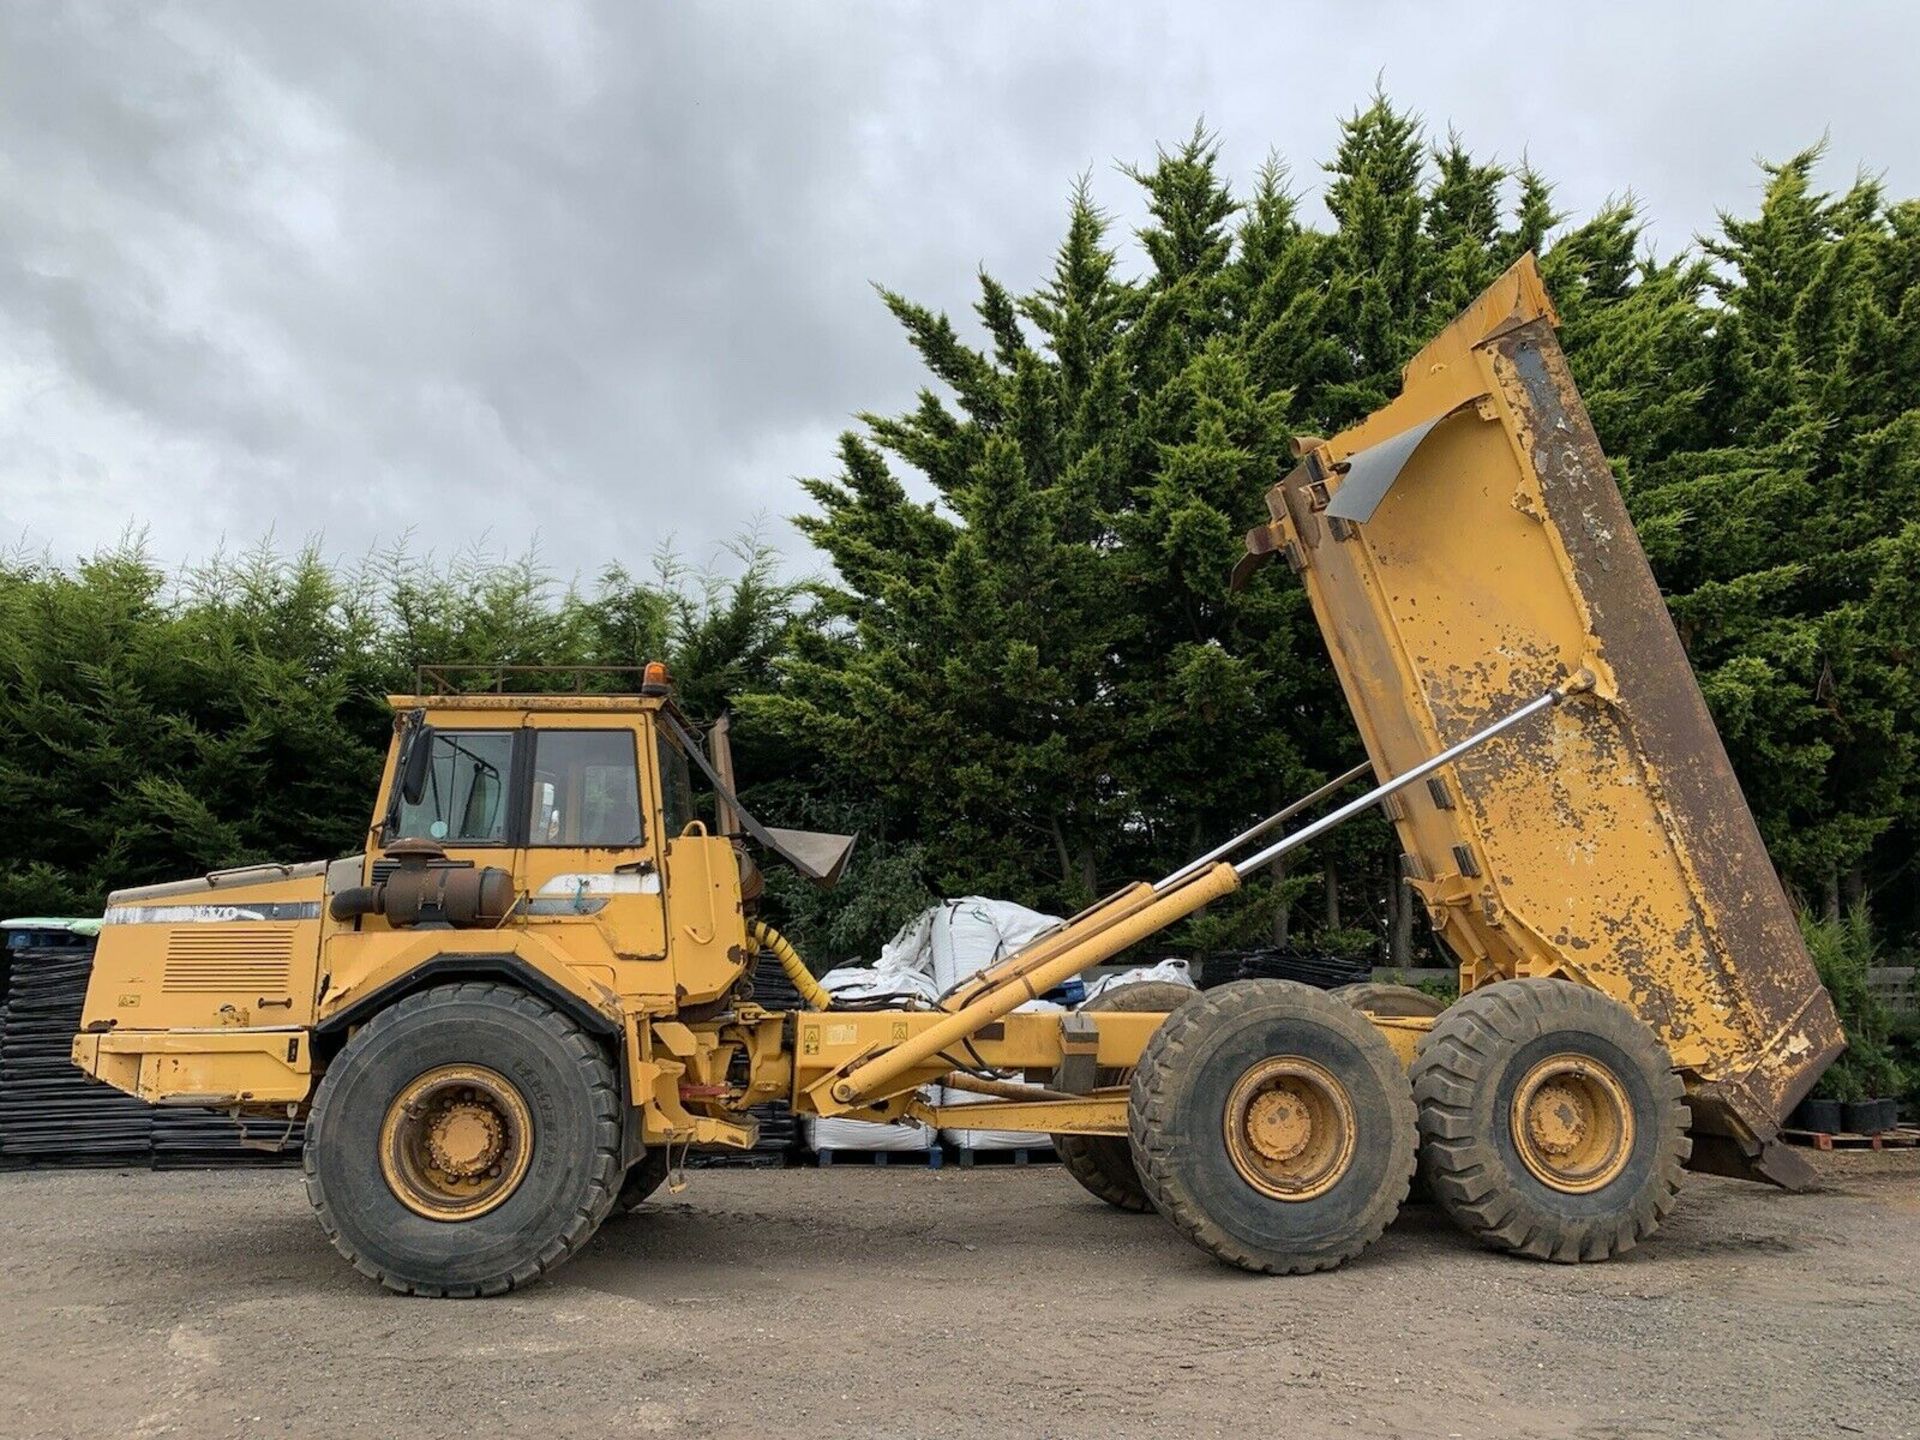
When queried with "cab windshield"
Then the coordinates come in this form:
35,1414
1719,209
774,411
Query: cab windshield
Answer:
464,800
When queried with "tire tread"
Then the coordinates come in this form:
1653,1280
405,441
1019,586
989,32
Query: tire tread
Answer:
1103,1164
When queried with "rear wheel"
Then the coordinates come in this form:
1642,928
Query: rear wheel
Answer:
464,1142
1104,1163
1272,1125
1552,1123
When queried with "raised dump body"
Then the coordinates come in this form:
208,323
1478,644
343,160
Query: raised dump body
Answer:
1466,547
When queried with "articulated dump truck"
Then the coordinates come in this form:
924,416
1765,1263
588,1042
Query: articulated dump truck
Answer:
530,997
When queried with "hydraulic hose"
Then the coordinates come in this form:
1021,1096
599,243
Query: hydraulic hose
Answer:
811,990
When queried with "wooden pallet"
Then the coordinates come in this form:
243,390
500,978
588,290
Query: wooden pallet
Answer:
968,1156
1899,1138
929,1159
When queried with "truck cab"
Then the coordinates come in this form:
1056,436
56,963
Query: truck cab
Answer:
549,841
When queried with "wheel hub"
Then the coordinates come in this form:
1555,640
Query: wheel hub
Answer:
1279,1125
1572,1123
456,1142
1559,1119
465,1139
1290,1128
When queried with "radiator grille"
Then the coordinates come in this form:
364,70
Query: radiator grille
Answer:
204,958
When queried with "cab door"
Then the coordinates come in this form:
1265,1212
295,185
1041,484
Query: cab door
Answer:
590,852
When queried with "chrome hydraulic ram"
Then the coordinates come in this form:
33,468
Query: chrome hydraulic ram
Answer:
1109,910
1279,817
1317,828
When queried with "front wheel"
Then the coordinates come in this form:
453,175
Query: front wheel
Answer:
1273,1126
464,1142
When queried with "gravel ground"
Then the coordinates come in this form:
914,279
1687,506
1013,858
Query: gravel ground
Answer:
882,1302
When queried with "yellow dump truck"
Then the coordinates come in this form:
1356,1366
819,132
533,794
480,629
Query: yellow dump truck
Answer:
531,995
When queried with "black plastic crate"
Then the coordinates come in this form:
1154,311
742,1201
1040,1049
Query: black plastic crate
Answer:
1310,967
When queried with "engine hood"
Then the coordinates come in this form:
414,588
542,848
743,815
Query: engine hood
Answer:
248,892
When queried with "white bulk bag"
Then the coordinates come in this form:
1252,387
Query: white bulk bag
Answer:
863,982
988,1139
837,1133
973,932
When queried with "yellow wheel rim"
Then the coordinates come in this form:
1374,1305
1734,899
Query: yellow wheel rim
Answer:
1572,1123
1290,1128
456,1142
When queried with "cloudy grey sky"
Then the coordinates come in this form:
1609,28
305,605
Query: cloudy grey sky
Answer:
600,273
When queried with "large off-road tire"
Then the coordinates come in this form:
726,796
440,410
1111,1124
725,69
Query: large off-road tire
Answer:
1401,1002
1273,1126
644,1176
465,1141
1104,1163
1552,1123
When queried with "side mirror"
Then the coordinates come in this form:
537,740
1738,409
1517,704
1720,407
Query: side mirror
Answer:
414,764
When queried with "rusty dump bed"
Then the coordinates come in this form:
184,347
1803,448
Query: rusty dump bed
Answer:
1465,548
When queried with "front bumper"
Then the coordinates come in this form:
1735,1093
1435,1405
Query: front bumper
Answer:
201,1067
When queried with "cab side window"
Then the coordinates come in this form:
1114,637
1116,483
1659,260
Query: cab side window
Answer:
464,801
676,787
586,789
